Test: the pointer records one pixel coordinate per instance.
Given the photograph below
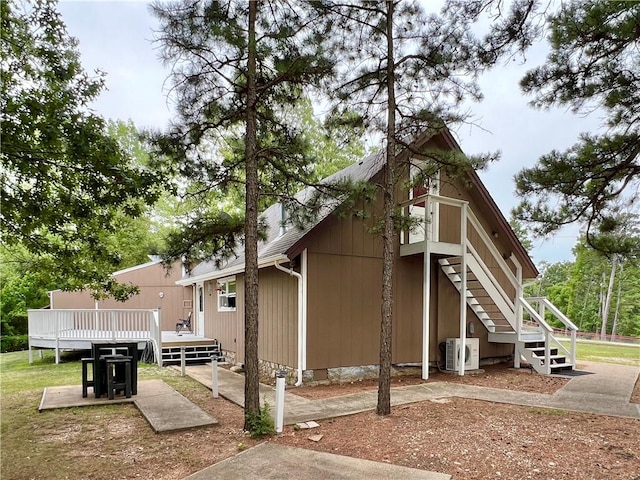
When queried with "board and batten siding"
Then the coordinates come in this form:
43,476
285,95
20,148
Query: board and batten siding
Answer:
278,317
151,280
344,297
277,322
227,327
448,323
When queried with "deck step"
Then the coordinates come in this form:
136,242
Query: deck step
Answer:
193,353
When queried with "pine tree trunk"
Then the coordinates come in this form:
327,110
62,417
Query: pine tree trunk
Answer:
251,382
607,298
384,382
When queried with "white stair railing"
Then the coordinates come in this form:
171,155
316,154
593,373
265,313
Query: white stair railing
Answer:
544,305
512,307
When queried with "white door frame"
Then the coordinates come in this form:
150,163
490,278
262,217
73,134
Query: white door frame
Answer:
199,313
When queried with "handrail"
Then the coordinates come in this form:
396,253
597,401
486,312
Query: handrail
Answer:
561,316
535,315
454,202
476,225
488,273
492,248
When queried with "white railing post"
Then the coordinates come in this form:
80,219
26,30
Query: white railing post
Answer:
547,353
573,347
214,376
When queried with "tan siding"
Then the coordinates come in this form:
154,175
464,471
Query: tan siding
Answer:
278,304
222,326
343,321
151,280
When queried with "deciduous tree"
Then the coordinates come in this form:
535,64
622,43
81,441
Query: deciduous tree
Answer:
66,184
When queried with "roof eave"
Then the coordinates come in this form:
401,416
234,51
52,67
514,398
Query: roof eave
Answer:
234,270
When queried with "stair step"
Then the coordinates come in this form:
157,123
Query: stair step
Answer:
537,350
562,366
554,359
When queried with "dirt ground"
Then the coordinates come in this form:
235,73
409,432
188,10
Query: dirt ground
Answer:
471,439
466,438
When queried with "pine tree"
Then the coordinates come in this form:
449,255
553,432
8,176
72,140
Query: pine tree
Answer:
406,73
239,70
593,68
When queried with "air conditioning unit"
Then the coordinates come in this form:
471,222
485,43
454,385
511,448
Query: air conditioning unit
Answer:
471,354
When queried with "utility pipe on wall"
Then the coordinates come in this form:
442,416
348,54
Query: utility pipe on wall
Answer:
301,310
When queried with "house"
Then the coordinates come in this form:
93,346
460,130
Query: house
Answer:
320,287
158,290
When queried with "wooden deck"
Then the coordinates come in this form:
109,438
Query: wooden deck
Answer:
76,330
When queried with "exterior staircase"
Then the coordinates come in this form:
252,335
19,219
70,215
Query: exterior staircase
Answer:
502,316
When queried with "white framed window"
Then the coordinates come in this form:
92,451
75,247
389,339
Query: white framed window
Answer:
227,294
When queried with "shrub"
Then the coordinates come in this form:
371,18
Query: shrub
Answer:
261,423
14,343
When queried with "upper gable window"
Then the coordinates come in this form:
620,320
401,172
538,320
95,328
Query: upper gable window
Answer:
227,294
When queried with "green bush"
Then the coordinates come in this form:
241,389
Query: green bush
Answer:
14,343
261,423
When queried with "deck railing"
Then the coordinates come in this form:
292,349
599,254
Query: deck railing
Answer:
90,324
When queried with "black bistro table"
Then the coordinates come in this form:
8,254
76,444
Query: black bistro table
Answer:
102,349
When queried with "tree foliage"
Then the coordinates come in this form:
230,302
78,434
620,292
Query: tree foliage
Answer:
579,288
593,67
66,184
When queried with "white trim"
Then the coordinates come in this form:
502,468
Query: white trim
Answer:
137,267
226,280
235,270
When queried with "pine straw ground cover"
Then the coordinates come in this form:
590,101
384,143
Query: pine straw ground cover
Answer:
466,438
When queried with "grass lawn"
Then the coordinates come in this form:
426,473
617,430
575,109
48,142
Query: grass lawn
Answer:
594,351
106,441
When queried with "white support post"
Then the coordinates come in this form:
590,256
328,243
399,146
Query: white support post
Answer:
463,288
426,291
183,361
280,375
214,376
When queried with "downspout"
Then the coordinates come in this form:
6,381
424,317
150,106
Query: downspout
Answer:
300,318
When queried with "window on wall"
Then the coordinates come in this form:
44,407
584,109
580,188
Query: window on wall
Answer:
227,294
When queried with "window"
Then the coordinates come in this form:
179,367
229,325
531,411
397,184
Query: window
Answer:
227,294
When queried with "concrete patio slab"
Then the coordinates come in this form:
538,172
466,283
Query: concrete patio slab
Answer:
165,409
268,461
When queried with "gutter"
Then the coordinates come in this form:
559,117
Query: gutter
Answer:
302,307
226,272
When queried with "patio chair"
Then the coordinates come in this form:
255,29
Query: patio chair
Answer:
184,323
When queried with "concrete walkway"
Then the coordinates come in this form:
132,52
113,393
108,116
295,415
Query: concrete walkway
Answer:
598,388
164,408
268,461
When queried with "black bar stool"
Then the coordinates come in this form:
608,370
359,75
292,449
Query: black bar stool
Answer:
86,382
114,381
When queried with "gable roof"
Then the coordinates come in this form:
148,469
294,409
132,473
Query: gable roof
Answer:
279,247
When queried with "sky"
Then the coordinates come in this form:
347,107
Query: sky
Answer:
116,37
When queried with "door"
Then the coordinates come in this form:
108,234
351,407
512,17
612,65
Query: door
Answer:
200,309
